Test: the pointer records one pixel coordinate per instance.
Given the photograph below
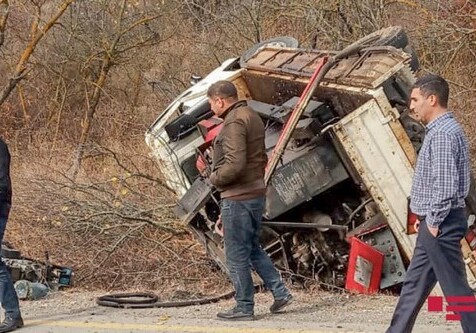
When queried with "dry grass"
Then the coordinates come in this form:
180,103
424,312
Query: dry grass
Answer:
114,226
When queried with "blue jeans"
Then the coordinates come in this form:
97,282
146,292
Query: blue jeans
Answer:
8,295
242,223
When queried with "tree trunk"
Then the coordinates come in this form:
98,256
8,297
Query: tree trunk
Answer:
20,69
89,116
4,6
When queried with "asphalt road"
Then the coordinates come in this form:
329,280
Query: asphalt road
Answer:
324,313
207,326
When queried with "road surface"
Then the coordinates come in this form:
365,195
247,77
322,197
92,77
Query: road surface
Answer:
320,312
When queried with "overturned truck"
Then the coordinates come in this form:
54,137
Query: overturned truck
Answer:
337,195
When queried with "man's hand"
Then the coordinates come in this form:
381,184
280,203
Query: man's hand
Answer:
433,231
205,172
417,225
219,226
209,154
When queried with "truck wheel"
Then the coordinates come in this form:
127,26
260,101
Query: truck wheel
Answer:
414,62
392,36
283,41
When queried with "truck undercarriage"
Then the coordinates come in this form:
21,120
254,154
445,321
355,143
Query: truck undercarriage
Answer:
339,192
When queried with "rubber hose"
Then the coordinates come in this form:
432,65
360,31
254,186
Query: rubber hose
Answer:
151,300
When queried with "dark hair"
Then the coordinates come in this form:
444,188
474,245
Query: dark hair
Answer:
432,84
222,89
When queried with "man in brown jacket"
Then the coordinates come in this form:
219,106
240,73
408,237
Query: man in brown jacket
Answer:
239,162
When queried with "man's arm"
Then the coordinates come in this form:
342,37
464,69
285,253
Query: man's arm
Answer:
444,149
234,149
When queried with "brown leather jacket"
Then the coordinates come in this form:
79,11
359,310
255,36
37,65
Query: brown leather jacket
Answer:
239,154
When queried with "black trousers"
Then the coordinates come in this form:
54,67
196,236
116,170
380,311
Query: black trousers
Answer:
435,259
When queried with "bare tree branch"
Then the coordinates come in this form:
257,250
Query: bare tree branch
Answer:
4,8
39,33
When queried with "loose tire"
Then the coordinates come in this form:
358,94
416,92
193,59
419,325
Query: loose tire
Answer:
414,62
392,36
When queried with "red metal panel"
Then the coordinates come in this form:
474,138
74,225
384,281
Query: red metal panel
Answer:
365,268
207,126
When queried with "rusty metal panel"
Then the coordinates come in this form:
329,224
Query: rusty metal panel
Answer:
367,69
301,61
310,68
396,126
368,139
274,58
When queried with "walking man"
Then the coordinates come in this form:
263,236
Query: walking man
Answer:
440,186
8,296
239,161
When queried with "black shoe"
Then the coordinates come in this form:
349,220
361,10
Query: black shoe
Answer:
235,314
280,304
10,324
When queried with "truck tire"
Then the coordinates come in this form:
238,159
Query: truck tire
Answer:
282,41
392,36
414,62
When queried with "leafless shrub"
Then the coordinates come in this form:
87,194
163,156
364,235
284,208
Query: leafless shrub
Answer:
115,228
